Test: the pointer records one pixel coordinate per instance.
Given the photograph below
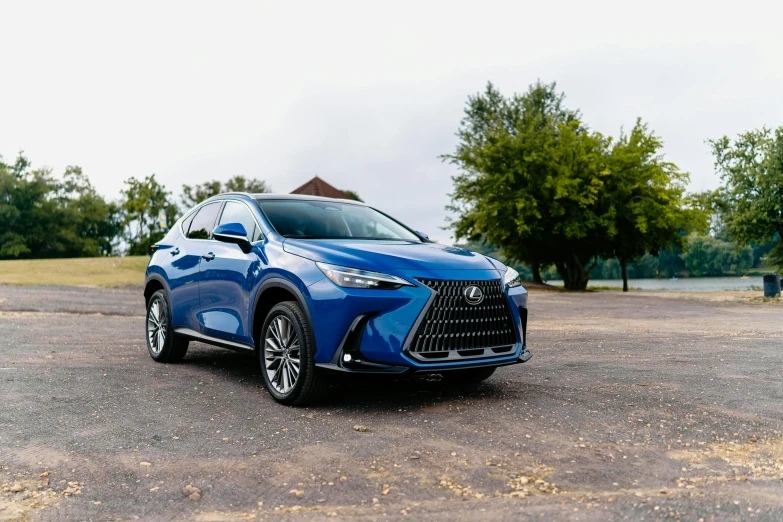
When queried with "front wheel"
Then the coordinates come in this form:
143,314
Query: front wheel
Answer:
287,356
162,344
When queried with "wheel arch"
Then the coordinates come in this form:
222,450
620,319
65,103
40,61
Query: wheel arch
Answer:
153,284
270,293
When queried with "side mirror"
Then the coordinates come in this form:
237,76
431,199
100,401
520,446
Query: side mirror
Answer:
422,235
232,233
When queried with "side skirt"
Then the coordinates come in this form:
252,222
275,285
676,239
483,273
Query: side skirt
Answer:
222,343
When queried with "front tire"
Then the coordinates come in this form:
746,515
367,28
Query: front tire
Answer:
287,356
162,344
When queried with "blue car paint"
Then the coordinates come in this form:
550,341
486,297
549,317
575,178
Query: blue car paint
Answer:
231,229
214,287
226,286
180,270
383,256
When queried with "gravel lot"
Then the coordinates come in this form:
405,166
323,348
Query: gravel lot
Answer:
633,407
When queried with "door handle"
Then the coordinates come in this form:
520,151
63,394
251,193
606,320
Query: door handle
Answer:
175,252
209,257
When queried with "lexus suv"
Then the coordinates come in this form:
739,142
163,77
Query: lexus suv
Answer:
313,285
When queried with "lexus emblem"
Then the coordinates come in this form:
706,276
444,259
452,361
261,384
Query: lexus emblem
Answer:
473,294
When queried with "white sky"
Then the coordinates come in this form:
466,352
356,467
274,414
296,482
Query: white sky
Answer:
364,94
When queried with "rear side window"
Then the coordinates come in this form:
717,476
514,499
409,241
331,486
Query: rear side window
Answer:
187,221
204,222
235,212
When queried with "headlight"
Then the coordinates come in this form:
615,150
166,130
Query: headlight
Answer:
512,278
355,278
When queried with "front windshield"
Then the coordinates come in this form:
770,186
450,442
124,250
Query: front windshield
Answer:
303,219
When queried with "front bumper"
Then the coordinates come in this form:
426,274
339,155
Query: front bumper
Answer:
375,326
368,367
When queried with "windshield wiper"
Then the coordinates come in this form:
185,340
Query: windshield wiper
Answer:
298,236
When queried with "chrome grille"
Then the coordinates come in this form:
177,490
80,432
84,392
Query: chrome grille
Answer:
450,323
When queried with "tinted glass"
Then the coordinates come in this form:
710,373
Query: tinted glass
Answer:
238,213
331,220
204,222
187,221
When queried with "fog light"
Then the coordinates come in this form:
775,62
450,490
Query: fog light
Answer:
347,357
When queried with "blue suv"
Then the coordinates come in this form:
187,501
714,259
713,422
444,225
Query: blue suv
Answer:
314,285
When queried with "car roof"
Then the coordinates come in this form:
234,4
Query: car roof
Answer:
292,197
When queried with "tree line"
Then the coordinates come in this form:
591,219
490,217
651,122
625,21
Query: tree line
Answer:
704,255
536,186
46,216
548,192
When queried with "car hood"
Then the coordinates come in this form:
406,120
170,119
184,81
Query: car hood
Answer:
388,255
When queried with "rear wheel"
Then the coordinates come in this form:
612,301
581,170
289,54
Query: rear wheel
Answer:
468,377
162,344
287,356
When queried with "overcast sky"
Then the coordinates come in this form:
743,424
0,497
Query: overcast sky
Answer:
364,94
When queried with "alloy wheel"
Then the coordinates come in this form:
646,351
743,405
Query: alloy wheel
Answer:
156,326
282,354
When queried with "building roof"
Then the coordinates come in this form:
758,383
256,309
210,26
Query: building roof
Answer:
318,187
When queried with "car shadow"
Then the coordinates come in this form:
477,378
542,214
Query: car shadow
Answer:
386,393
376,392
242,366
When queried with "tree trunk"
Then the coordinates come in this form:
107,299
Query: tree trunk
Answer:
624,270
574,275
536,267
561,269
581,278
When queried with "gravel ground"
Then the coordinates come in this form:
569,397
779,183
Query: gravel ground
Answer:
633,407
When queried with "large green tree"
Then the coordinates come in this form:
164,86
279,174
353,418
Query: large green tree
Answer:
148,213
647,195
48,216
530,174
751,200
26,211
93,224
195,194
538,183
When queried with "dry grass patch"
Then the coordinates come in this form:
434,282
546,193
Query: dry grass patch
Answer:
762,460
86,271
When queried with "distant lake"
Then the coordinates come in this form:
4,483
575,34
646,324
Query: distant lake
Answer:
686,284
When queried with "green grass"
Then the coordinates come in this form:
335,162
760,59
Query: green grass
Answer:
85,271
761,271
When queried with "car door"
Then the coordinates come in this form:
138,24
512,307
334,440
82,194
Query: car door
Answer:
186,258
228,277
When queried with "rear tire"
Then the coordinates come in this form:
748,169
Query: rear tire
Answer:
286,352
468,377
163,345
